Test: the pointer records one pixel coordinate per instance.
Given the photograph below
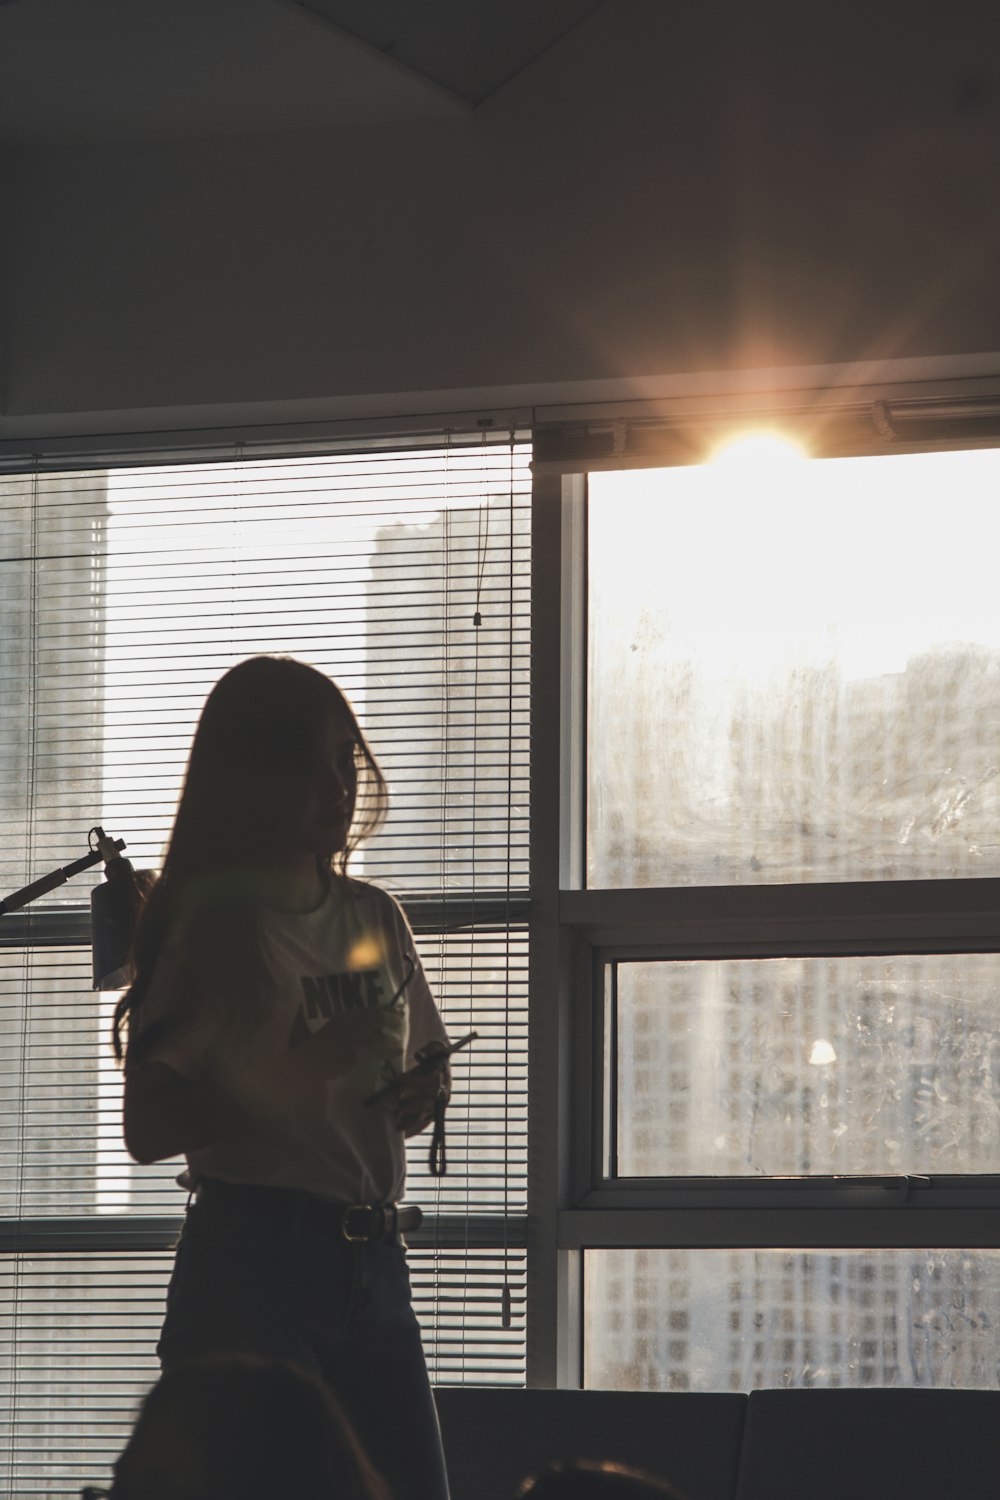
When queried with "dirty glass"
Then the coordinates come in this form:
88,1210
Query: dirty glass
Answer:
773,1067
741,1320
794,671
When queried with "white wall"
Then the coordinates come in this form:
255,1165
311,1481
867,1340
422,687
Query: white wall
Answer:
675,188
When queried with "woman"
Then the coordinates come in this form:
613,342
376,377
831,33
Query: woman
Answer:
273,995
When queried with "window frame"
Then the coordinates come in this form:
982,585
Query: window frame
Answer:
574,930
430,914
577,931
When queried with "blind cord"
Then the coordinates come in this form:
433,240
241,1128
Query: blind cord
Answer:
24,1049
482,538
506,1316
442,854
482,548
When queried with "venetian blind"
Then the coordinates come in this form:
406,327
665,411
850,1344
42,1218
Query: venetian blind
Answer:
125,592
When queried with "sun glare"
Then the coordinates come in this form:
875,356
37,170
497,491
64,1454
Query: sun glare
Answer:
758,450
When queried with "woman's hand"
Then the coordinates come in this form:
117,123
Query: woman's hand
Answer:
412,1102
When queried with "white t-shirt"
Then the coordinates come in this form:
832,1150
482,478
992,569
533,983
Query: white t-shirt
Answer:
305,1128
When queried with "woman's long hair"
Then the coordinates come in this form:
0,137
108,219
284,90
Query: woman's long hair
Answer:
258,740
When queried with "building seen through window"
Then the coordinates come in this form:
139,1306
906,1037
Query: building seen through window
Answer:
794,677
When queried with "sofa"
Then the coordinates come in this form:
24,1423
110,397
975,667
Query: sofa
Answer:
770,1445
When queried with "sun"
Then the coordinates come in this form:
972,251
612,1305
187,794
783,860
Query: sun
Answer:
758,451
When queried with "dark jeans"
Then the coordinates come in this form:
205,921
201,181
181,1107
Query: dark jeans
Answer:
268,1272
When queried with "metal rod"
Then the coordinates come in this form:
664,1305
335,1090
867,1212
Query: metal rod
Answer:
54,878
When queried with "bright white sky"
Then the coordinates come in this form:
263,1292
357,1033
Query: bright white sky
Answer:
869,560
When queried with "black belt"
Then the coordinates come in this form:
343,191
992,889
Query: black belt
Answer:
357,1222
374,1221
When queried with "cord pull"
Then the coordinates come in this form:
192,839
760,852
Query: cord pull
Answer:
505,1312
477,618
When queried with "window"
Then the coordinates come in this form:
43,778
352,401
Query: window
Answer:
125,591
768,802
765,884
796,669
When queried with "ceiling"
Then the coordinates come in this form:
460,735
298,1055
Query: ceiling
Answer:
470,47
77,71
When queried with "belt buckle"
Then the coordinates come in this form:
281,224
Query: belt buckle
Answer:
368,1208
353,1239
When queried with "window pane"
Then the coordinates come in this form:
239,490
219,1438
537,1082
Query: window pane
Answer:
404,573
865,1065
128,592
793,672
458,1299
77,1351
740,1320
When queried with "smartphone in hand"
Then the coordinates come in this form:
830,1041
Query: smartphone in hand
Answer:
426,1065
